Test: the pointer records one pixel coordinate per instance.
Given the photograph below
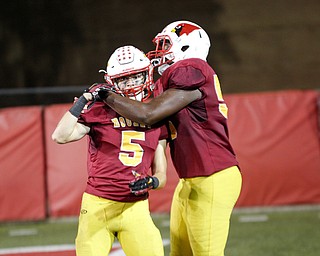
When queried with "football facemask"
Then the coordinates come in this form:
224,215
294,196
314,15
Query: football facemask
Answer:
132,85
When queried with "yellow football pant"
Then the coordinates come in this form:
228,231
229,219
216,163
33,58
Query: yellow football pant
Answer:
101,220
200,213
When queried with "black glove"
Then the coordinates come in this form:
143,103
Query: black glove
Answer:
143,185
102,92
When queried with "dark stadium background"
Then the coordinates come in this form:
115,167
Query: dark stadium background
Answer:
266,54
50,50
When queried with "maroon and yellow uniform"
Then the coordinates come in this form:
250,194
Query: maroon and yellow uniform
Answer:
210,180
202,146
117,147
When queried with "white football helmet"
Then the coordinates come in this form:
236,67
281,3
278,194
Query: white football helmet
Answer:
178,41
130,72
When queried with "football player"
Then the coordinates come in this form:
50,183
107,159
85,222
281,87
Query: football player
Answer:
120,154
210,179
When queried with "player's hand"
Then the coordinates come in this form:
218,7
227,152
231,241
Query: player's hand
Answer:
142,185
100,91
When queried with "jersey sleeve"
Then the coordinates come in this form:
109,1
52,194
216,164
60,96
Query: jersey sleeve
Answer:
187,78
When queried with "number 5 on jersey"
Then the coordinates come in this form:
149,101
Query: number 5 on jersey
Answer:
223,109
127,147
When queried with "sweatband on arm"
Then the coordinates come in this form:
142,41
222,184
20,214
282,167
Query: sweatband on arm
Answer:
78,106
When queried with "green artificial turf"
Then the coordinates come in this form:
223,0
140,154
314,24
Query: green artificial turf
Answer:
277,232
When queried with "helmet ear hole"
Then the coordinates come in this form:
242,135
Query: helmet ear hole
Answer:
184,48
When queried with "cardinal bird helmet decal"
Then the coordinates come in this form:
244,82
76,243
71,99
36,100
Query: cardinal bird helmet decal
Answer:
184,28
177,41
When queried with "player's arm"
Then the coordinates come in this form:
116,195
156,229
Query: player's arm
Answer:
159,165
159,168
68,128
166,104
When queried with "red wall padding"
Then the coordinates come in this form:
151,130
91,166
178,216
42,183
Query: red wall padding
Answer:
276,139
275,136
66,167
22,179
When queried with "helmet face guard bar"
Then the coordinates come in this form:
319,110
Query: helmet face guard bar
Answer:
132,85
140,90
162,54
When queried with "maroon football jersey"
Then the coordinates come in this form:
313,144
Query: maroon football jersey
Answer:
117,146
200,145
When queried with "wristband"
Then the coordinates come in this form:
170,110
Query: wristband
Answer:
77,107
